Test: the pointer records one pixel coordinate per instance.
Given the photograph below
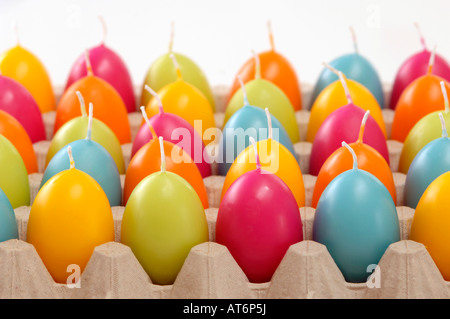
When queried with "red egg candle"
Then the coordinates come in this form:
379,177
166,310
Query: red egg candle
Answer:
148,160
177,131
415,67
343,125
17,101
341,160
421,97
109,66
258,220
109,106
274,67
333,97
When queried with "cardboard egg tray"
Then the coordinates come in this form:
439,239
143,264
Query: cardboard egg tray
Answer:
307,270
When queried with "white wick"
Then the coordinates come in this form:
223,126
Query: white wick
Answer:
91,114
258,164
444,129
344,84
355,42
72,162
104,29
156,96
444,93
355,159
257,65
244,92
269,123
82,105
163,155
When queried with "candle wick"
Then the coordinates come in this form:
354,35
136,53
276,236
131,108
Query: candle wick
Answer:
344,84
269,123
177,67
257,65
444,129
355,42
91,114
163,155
329,67
363,126
156,96
355,159
104,28
431,63
16,32
69,151
150,126
88,62
244,91
258,164
444,94
82,105
271,40
172,34
421,37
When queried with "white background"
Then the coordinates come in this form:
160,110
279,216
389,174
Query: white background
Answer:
219,35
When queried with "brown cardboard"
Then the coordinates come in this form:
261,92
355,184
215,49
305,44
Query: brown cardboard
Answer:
306,271
49,120
210,272
408,272
395,150
41,150
303,152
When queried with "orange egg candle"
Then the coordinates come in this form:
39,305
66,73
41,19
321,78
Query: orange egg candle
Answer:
274,68
16,134
109,106
341,160
418,99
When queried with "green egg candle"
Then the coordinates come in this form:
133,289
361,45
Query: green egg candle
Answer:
163,219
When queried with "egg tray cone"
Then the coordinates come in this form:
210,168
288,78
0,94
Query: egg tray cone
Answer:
307,270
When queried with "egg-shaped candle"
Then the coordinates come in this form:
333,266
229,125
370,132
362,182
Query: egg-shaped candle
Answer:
416,66
265,94
247,121
75,129
340,161
186,101
69,217
176,130
333,97
423,132
356,220
93,159
148,160
344,124
109,106
275,68
356,67
258,220
26,68
162,72
163,219
419,98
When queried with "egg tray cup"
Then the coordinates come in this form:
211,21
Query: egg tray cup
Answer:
307,270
